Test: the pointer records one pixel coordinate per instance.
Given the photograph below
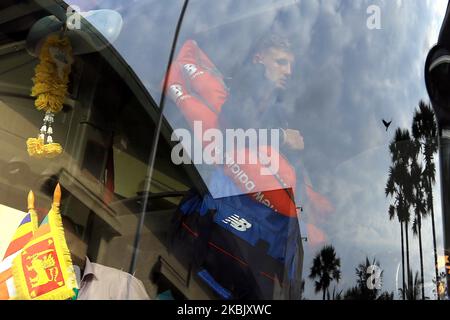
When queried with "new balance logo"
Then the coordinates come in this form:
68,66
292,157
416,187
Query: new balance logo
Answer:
192,70
176,91
238,223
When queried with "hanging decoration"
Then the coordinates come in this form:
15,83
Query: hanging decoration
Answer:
50,89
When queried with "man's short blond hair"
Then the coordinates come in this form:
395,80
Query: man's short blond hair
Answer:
273,41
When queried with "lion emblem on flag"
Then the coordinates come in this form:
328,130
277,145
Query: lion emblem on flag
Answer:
44,267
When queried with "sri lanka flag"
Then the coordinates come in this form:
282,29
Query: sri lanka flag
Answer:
43,270
23,234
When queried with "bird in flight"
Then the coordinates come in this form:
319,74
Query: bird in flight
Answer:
387,124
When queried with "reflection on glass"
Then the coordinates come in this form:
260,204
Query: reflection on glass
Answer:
369,280
325,270
345,152
410,185
242,160
341,103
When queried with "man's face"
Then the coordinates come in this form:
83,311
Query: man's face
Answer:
278,65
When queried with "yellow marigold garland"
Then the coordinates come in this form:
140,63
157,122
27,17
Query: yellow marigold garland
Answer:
50,89
52,74
38,149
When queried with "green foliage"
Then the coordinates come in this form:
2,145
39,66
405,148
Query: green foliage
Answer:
361,291
325,269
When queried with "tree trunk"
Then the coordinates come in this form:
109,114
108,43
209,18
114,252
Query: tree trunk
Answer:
324,290
407,256
419,219
403,262
435,252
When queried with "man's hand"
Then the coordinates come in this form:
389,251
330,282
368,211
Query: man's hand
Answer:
294,139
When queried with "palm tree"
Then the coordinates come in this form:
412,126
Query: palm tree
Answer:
362,291
399,187
420,210
362,278
326,269
424,130
336,295
412,292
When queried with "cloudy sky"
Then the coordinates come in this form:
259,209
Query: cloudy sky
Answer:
347,79
361,77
